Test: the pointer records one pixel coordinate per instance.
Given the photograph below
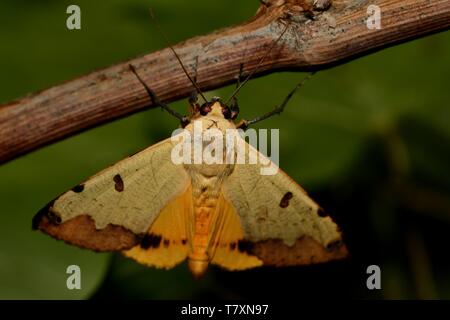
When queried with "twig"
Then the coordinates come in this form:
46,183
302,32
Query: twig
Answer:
331,38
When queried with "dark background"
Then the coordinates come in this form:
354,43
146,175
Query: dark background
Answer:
369,140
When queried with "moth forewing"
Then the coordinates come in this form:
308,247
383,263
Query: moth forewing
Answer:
276,212
161,211
128,195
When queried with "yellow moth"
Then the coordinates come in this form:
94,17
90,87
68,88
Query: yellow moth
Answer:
160,212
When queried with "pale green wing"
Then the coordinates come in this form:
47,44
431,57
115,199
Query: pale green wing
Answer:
123,199
281,224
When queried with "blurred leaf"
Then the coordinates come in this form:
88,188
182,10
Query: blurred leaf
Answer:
127,279
33,266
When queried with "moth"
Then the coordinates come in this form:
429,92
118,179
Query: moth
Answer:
160,213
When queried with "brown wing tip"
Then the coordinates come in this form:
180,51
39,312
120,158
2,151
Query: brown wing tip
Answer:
42,214
81,231
305,251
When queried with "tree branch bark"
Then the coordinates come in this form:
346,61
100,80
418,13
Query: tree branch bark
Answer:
335,36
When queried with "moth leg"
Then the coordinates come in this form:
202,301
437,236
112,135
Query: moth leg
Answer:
183,120
240,76
278,109
194,106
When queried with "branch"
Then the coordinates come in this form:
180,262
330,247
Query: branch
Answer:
335,36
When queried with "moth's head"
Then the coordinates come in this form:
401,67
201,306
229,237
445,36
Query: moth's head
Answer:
217,108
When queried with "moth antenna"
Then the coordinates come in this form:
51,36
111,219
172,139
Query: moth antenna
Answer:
176,55
236,91
154,98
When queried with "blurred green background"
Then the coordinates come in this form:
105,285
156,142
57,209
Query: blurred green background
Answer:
370,141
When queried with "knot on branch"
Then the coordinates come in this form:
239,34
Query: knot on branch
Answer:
287,8
297,5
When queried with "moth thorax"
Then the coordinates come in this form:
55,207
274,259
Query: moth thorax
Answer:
197,267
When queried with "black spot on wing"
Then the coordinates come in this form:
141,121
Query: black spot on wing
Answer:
54,217
322,213
166,243
150,241
79,188
284,202
118,183
245,246
45,212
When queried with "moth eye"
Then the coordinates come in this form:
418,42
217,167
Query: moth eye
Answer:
205,109
226,112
